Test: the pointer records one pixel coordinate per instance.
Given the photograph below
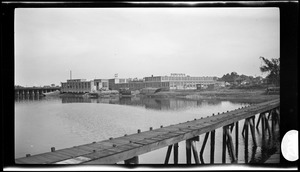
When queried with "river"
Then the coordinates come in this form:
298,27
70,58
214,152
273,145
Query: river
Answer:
45,122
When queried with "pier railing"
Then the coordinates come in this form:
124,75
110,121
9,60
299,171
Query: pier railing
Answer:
128,147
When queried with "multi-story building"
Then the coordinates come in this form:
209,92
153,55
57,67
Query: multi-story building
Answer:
83,86
173,82
101,84
181,81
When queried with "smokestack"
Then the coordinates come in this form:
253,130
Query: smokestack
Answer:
70,74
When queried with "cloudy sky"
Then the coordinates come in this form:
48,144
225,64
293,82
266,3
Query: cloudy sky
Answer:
139,42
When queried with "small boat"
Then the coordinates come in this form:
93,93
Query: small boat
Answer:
53,93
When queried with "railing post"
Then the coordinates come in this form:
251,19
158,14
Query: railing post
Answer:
52,149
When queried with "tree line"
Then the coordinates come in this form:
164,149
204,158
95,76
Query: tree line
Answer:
271,67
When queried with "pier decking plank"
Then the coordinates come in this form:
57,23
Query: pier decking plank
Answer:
73,152
122,148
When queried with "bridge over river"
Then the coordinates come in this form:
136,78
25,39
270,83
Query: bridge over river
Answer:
128,147
33,91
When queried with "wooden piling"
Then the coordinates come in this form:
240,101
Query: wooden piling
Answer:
237,139
278,116
252,128
203,146
262,126
212,147
231,127
224,147
246,140
243,131
188,151
230,145
168,154
194,149
268,126
175,153
259,118
273,121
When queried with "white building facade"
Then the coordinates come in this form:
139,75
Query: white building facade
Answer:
83,86
182,81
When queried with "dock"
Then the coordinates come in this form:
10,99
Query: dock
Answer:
127,148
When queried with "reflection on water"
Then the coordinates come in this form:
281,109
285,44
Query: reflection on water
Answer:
44,122
148,103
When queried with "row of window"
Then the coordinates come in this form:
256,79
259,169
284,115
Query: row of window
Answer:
143,85
153,79
185,83
80,85
170,78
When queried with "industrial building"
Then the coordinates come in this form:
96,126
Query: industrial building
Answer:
172,82
181,81
83,86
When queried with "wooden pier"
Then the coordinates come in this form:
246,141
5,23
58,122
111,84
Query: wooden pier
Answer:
128,147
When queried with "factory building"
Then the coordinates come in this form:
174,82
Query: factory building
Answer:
181,81
172,82
83,86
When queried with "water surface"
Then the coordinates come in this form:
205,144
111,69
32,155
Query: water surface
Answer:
42,123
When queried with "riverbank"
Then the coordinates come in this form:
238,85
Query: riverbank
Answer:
247,95
239,95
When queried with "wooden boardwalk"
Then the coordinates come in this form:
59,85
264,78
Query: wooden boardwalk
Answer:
130,146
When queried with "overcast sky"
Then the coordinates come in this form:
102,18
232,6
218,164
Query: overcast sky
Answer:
139,42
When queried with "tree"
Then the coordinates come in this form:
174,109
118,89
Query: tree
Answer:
273,68
229,77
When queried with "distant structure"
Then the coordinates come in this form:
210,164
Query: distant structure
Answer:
83,86
176,81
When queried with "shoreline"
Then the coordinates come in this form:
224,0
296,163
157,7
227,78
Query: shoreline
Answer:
240,95
247,95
